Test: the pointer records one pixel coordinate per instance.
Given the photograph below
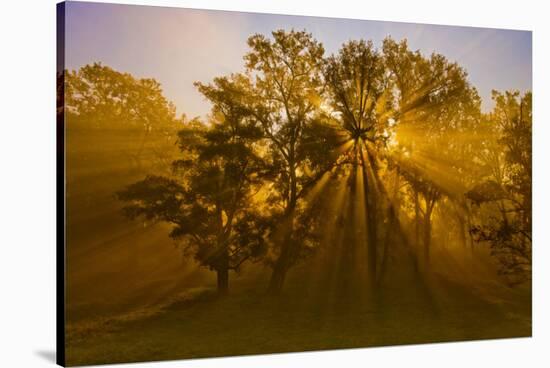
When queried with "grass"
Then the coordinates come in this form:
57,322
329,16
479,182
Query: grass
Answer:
199,324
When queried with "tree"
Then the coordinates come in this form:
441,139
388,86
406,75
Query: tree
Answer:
101,99
508,189
210,202
360,101
426,195
378,95
288,92
433,100
281,93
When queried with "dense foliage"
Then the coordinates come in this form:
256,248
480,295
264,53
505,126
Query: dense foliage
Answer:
403,131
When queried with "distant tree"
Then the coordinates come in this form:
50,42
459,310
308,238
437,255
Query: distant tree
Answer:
209,202
100,98
507,191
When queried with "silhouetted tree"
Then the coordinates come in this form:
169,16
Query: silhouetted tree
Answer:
360,100
210,202
283,95
508,190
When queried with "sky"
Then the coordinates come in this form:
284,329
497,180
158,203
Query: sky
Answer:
178,46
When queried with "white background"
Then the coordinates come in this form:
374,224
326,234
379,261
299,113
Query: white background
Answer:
27,182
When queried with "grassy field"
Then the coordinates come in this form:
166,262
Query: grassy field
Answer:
199,324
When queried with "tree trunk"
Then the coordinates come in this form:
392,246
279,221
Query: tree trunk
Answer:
282,265
469,234
222,269
278,276
223,280
461,229
416,246
463,234
370,213
416,219
393,207
427,239
430,204
347,268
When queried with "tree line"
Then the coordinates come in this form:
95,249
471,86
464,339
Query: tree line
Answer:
249,183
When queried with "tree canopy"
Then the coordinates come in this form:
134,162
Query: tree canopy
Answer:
404,130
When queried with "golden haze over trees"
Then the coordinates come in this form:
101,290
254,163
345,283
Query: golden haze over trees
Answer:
368,172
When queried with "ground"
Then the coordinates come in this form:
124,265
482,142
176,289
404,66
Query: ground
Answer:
198,323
